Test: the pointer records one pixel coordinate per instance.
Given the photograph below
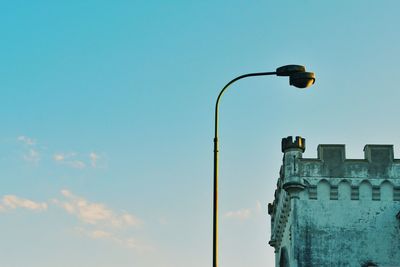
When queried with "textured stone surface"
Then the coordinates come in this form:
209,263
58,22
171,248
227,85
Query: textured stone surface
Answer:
333,211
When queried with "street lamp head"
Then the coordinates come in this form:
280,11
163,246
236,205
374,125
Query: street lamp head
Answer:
302,79
289,70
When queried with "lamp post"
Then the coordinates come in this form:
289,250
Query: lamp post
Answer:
298,77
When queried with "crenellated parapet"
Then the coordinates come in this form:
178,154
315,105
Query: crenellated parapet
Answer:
378,163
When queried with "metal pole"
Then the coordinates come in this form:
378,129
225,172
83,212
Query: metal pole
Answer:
215,198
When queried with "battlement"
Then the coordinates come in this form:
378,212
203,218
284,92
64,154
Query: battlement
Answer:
332,168
378,162
377,154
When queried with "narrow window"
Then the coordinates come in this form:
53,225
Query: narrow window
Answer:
369,264
284,259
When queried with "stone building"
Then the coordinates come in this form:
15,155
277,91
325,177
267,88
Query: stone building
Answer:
333,211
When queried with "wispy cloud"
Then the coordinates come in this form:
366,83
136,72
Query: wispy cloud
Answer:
244,214
97,234
30,154
96,220
33,152
118,239
99,222
76,161
14,202
97,161
93,159
59,157
241,214
69,159
134,244
259,206
95,213
26,140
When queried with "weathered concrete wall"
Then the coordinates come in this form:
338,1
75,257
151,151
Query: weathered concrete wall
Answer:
333,211
347,233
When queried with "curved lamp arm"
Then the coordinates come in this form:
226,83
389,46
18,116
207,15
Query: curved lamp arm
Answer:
226,87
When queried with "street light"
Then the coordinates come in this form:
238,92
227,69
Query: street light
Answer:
298,77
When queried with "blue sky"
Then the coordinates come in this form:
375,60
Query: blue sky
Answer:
107,121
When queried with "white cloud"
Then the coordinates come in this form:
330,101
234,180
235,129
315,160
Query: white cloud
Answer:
26,140
96,234
69,160
119,239
99,222
241,214
244,214
102,223
93,159
134,244
31,155
76,164
259,207
59,157
13,202
95,213
30,152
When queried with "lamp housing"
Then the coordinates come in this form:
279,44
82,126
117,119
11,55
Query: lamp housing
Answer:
302,79
289,70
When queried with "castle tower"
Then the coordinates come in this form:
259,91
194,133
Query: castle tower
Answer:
333,211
